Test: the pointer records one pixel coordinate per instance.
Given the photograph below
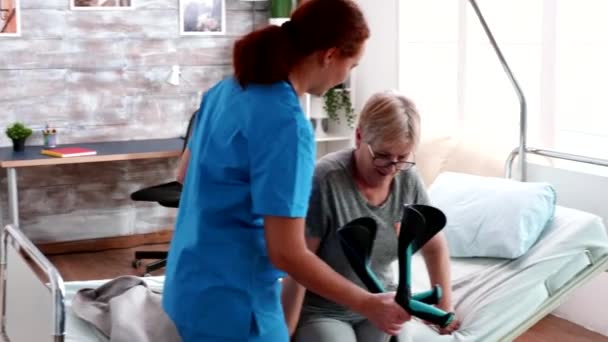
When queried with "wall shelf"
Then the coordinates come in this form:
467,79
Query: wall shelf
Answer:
331,137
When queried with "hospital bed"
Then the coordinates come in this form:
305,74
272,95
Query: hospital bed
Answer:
496,299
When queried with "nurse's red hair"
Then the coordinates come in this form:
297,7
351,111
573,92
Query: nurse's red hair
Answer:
267,55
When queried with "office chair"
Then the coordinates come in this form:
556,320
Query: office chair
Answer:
167,195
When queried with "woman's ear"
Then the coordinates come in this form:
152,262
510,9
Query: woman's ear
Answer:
357,137
327,56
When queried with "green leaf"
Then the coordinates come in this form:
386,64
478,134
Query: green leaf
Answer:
337,101
18,131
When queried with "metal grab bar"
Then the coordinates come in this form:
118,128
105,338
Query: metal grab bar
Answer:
55,279
551,154
523,112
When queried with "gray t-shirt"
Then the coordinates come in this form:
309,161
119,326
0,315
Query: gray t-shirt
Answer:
335,201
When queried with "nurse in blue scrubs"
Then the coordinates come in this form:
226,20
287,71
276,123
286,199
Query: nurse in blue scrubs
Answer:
250,162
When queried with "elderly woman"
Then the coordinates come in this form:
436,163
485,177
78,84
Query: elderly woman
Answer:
374,179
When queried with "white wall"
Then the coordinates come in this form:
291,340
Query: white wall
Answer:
379,70
49,76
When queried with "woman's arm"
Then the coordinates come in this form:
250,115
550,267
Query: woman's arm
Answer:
287,250
293,293
437,259
183,166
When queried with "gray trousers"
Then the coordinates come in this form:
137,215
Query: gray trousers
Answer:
333,330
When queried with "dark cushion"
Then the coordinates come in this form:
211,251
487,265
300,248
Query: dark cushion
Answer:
166,194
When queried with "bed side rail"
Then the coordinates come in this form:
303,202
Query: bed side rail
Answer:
26,298
551,154
559,297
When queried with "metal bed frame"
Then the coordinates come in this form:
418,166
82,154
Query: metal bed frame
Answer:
559,297
16,245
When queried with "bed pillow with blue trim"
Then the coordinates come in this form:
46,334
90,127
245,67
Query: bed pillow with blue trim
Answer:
492,217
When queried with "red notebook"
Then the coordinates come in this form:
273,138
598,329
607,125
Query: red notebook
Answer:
63,152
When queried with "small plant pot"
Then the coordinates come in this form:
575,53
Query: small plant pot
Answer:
319,126
313,122
325,124
19,145
50,140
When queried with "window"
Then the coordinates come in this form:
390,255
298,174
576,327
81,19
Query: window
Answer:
557,50
581,74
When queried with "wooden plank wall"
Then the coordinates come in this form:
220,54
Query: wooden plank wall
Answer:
98,76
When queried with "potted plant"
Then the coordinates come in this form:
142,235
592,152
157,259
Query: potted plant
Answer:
337,101
18,133
280,11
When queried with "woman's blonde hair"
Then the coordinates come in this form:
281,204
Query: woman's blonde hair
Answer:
389,116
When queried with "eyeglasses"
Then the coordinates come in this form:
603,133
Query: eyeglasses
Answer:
382,161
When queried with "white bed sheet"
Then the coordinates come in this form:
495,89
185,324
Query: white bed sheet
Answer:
491,296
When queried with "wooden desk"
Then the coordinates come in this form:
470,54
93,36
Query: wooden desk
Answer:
106,152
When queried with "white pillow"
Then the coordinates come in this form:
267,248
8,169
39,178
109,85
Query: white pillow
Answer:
491,217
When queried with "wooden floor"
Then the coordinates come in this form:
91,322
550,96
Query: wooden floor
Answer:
112,263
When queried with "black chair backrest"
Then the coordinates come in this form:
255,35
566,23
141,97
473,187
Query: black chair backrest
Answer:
189,129
167,194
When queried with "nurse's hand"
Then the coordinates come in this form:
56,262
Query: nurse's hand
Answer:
382,310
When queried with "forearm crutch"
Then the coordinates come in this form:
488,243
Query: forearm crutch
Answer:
420,223
357,239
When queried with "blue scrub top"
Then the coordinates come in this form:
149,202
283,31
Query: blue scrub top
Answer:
252,154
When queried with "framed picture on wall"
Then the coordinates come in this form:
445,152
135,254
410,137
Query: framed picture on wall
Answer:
89,5
10,18
202,17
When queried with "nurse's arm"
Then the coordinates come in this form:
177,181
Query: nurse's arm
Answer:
287,250
292,294
183,166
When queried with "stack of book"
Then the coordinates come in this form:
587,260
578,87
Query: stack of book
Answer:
64,152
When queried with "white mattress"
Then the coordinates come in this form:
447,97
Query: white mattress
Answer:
492,296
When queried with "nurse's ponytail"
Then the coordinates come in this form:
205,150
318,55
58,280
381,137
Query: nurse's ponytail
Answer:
268,54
